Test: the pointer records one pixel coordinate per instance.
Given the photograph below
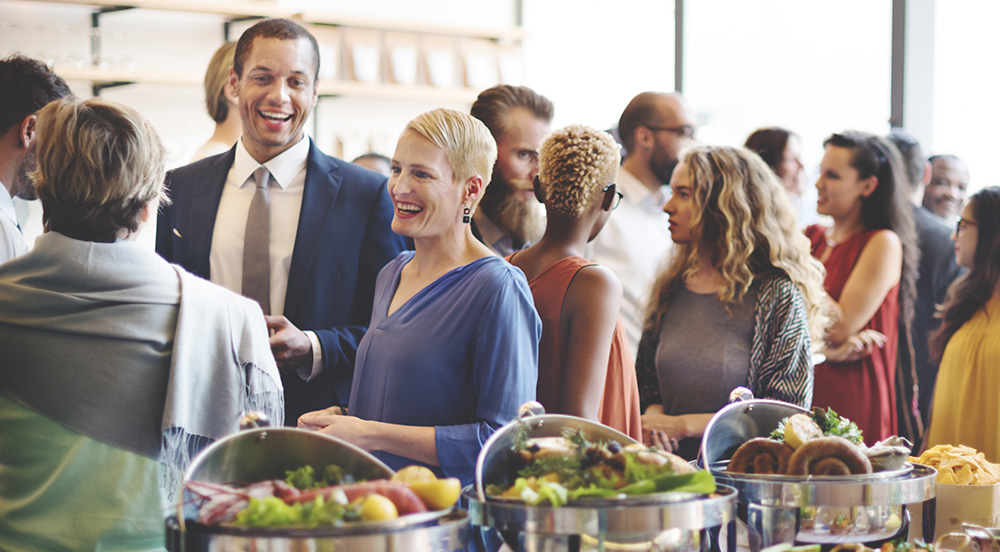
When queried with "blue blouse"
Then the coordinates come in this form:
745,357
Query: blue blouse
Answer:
460,355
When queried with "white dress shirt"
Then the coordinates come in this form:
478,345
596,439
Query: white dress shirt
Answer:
634,244
12,241
288,182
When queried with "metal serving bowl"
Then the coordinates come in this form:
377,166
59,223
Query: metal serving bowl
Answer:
267,453
811,509
671,521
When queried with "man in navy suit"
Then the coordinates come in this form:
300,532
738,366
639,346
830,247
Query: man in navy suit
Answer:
325,223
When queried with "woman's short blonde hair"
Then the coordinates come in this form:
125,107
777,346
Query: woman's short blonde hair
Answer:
216,80
99,164
575,164
467,143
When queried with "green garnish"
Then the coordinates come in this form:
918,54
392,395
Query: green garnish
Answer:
305,478
832,425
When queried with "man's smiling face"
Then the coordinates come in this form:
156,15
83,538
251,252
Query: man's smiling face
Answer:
277,93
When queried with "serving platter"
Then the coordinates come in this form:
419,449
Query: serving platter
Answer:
719,468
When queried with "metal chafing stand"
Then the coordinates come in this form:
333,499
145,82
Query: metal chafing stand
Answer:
823,510
266,453
659,522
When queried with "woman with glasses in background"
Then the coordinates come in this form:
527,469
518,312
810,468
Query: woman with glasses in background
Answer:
738,305
967,342
585,367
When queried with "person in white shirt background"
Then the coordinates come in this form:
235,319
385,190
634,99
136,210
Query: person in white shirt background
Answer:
26,85
654,128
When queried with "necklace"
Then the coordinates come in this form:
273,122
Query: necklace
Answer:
830,242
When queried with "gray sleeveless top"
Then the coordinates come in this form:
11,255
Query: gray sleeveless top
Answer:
704,351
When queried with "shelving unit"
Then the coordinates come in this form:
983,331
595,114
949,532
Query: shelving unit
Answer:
264,8
236,11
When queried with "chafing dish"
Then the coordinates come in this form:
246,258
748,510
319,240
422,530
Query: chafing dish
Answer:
266,453
673,521
825,510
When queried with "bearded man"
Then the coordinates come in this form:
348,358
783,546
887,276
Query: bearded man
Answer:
509,217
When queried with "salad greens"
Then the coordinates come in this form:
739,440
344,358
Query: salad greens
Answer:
274,512
305,478
830,423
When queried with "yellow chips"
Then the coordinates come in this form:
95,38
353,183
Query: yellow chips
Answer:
959,465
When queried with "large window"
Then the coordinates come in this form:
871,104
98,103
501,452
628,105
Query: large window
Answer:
812,67
966,119
590,57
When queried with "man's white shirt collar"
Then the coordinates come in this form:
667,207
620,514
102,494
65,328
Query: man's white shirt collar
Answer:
7,203
637,193
283,167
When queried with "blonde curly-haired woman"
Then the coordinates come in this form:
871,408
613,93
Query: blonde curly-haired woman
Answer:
739,304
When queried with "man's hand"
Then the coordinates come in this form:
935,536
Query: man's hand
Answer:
289,345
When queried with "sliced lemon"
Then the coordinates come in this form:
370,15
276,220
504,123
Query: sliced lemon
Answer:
376,507
439,494
801,428
412,474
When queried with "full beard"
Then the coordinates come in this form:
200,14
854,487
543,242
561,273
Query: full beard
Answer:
520,220
663,169
25,188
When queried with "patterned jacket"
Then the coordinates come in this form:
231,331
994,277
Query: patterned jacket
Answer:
781,365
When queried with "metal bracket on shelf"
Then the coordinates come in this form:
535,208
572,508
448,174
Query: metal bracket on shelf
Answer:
95,25
227,26
96,88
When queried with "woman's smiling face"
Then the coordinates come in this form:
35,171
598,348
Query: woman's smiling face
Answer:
427,201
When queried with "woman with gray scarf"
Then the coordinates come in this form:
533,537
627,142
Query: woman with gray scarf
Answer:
115,366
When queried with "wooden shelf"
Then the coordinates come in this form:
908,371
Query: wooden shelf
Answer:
379,91
265,8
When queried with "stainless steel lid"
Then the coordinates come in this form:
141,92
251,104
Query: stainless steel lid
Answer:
738,422
492,466
266,453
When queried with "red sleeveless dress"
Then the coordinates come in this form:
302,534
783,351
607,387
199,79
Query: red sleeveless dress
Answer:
620,402
862,391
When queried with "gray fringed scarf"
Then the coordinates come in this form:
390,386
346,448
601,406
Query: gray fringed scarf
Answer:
113,342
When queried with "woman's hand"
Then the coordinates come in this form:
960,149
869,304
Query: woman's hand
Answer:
318,419
333,421
658,439
856,347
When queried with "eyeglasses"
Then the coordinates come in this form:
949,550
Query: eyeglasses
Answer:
614,200
684,131
962,223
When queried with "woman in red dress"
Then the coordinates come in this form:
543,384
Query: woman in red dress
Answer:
871,260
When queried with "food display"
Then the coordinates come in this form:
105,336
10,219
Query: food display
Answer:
820,443
557,482
807,478
959,465
329,499
561,470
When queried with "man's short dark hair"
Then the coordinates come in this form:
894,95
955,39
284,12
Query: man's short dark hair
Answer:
26,85
282,29
494,104
913,158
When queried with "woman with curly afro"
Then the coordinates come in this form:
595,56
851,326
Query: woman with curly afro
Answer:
584,365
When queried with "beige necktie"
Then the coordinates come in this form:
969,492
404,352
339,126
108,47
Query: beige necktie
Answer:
256,244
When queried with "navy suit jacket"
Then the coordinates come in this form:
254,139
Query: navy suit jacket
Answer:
342,242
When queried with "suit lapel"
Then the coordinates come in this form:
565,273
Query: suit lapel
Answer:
323,181
204,206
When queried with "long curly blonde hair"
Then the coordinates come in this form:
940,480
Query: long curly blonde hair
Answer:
743,214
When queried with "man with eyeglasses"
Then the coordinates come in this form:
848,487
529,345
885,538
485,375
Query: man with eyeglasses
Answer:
654,128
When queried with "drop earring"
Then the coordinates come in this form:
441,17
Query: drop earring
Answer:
466,214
